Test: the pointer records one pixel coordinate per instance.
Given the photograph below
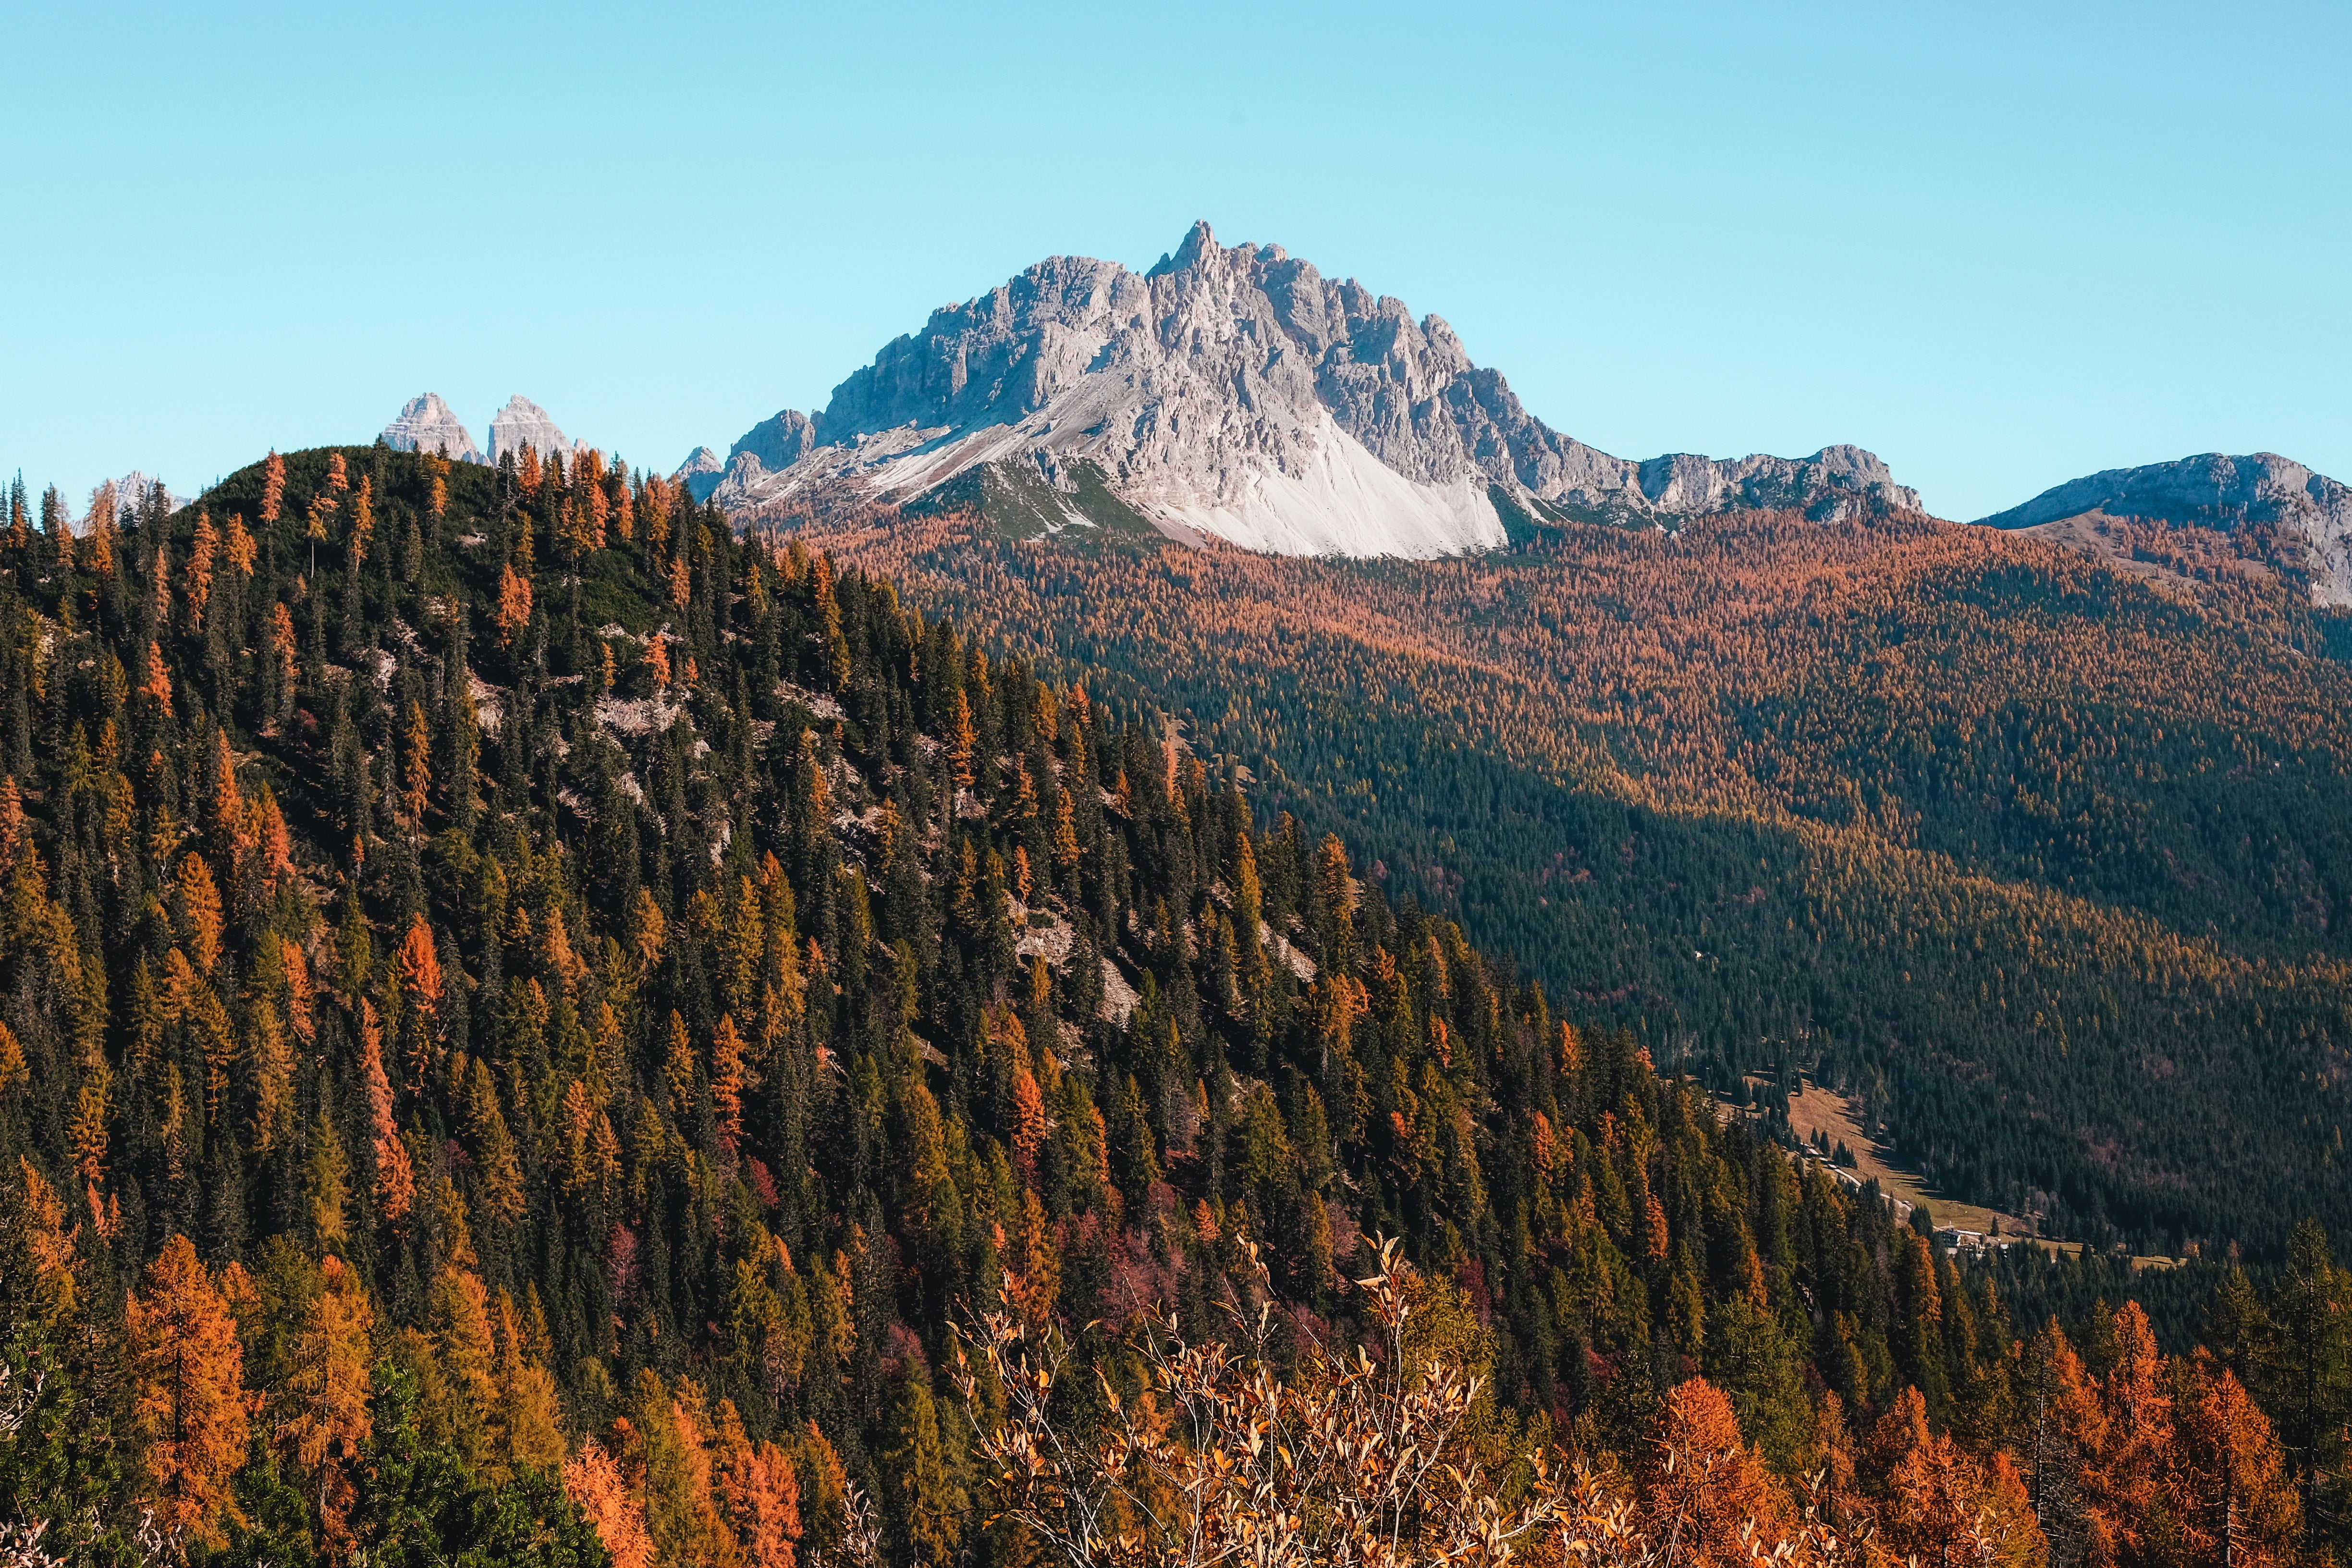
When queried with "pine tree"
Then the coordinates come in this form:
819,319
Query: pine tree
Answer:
189,1405
326,1428
2310,1374
595,1484
1135,1152
514,605
362,529
726,1080
419,968
2233,1482
327,1174
98,541
416,768
681,1515
395,1182
500,1180
1702,1487
928,1500
201,551
528,1422
198,897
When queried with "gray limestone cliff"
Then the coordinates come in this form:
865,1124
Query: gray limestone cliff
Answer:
1237,393
700,473
2307,515
523,422
426,424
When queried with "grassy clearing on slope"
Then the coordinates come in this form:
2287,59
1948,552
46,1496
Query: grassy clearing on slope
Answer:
1822,1111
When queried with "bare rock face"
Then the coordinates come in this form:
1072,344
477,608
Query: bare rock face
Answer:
2307,516
523,422
778,442
130,501
700,473
426,424
139,496
1234,393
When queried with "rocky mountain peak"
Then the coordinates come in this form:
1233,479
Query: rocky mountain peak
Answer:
700,473
1199,242
130,499
425,424
2306,517
523,422
779,442
1235,393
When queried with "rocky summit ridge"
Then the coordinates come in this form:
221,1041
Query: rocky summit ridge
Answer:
426,424
1232,393
523,422
2305,518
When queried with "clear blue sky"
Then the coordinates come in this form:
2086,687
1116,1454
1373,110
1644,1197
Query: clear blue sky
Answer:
2002,245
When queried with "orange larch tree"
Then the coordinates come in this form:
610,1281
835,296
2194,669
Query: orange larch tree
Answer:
2230,1482
190,1405
1702,1486
395,1179
514,604
596,1484
198,897
328,1421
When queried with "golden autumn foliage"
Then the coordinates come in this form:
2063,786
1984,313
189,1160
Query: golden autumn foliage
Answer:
13,1071
241,548
50,1241
1704,1488
98,540
395,1182
727,1079
513,612
419,968
155,683
201,551
200,912
328,1422
273,487
190,1405
761,1004
596,1483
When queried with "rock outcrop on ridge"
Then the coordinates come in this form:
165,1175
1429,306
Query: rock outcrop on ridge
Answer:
523,422
131,497
2306,517
427,424
1234,393
701,472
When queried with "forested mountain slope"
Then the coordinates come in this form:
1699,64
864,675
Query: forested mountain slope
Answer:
527,1016
2053,866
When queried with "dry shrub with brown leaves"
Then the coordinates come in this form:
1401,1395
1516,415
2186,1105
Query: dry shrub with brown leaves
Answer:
1351,1462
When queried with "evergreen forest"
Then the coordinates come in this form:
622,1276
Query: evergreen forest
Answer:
536,1029
2046,862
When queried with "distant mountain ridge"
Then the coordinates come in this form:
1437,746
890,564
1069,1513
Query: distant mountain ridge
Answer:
427,424
523,422
1234,394
2309,514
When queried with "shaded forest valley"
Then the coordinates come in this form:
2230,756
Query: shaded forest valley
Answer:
2050,867
528,1022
